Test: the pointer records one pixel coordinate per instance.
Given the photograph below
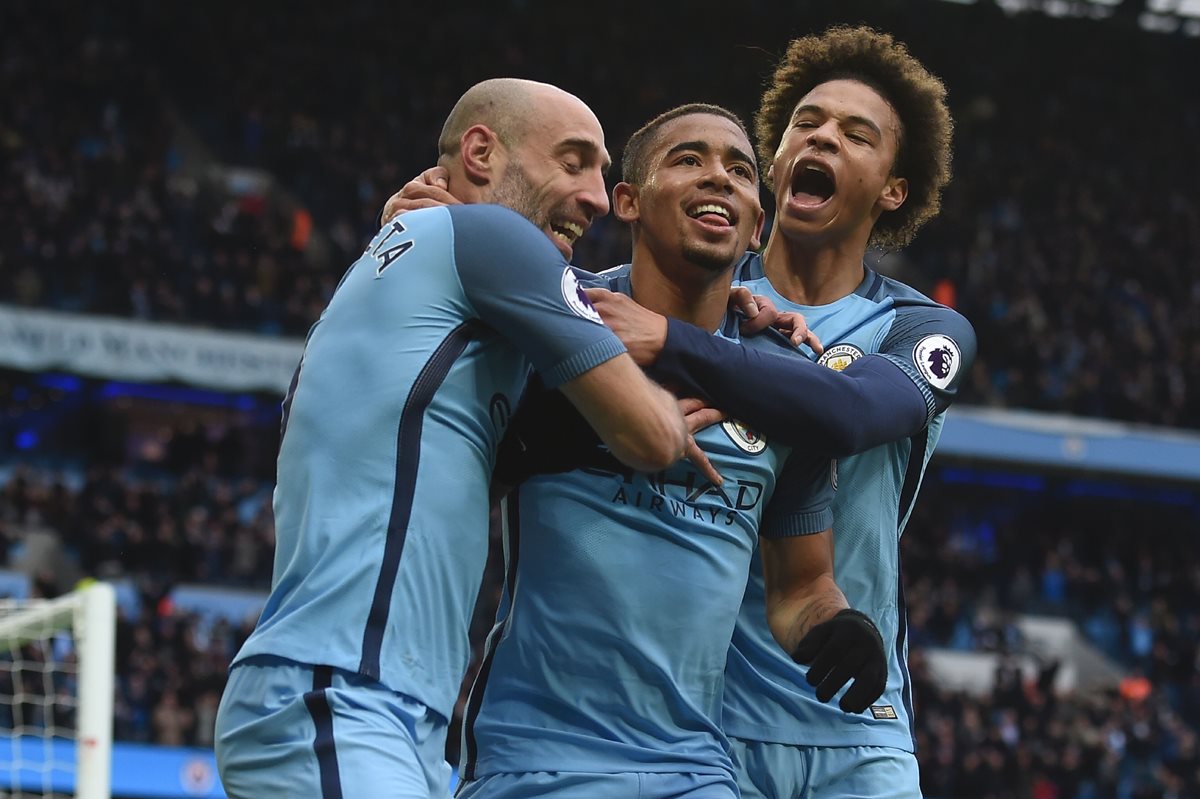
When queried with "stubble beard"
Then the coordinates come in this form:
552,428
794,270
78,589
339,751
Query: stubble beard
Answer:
708,257
515,191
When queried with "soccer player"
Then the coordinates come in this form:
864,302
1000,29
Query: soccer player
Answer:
603,675
856,135
390,429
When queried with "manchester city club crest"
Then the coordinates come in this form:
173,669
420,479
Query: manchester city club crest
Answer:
840,356
746,439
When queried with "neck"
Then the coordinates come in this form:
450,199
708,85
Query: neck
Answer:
464,189
814,273
681,290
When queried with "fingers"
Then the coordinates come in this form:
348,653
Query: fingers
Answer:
391,208
698,414
741,299
705,417
437,176
430,189
796,328
809,338
765,305
416,190
696,455
841,673
401,206
815,344
598,295
765,314
866,690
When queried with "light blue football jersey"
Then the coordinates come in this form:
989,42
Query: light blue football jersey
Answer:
766,695
390,433
623,589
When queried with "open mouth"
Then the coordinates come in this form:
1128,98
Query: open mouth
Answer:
812,184
569,232
712,214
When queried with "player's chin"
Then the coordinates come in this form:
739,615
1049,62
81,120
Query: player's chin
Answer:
714,257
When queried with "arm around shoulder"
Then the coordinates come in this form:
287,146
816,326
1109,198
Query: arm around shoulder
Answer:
638,421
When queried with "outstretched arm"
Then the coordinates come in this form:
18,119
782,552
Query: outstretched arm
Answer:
880,397
792,398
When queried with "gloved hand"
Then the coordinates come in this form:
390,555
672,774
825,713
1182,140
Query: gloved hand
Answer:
847,647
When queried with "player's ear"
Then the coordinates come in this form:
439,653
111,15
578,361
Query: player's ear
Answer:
483,155
894,194
625,202
756,239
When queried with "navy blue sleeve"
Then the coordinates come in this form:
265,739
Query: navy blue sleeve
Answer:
788,397
803,494
935,347
520,285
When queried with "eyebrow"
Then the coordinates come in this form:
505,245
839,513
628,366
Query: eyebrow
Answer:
859,120
704,147
589,147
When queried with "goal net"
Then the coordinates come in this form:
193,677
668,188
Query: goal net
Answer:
56,694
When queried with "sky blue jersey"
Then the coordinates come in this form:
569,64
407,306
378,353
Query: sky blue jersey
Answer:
766,695
390,432
623,589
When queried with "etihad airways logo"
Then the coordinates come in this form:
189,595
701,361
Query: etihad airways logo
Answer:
685,494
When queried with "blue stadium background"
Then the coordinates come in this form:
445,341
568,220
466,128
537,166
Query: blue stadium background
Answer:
181,185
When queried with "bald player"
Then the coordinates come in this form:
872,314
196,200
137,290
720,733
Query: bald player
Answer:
390,430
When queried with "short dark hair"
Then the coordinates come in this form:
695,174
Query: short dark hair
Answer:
918,97
634,161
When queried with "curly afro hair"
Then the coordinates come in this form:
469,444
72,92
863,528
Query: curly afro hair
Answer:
918,97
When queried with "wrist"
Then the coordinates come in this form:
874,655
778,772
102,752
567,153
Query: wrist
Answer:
659,339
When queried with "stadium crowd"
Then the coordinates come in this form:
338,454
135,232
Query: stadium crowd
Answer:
1069,238
1075,266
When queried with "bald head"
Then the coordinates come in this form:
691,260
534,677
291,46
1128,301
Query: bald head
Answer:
506,105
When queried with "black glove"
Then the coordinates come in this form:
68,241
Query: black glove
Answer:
547,435
847,647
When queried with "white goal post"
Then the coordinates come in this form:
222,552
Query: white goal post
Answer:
49,648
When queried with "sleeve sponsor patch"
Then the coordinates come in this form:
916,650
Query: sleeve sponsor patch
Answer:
576,300
937,358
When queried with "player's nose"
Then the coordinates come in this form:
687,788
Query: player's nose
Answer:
824,137
716,176
592,195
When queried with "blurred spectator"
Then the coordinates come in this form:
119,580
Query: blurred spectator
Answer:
1077,269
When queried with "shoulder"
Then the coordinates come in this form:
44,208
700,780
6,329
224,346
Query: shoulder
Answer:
914,310
614,279
492,227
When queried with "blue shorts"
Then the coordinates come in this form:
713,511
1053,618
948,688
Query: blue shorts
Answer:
289,729
780,771
578,785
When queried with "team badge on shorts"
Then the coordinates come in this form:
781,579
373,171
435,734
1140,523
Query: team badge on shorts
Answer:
839,357
746,439
937,358
577,301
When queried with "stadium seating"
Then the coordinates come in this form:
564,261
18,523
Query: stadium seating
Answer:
232,192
